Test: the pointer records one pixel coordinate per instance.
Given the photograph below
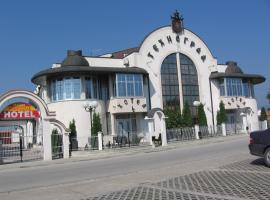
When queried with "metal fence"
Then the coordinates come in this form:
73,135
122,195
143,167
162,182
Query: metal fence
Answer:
180,134
208,131
15,147
130,139
57,146
236,128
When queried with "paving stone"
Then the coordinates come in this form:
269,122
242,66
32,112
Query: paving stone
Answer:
248,165
247,179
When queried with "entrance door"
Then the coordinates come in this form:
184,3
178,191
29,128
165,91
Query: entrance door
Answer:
123,127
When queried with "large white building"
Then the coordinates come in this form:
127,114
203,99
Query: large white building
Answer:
171,66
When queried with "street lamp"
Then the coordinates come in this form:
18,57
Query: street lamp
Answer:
90,107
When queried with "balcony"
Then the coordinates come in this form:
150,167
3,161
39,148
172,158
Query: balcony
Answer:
234,102
127,105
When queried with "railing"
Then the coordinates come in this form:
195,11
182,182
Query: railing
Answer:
208,131
57,146
91,143
15,147
130,139
180,134
232,129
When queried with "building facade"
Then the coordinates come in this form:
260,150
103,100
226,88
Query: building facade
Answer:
131,88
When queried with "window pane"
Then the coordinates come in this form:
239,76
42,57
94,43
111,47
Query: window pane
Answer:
189,82
129,85
170,85
76,86
121,89
88,88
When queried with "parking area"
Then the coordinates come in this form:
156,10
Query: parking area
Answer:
246,179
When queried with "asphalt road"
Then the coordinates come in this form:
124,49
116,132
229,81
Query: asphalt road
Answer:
77,180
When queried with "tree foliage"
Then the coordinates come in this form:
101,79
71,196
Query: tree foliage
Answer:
221,114
186,116
96,125
263,115
174,118
72,127
201,116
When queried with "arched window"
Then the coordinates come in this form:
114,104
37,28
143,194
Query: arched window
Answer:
170,83
189,82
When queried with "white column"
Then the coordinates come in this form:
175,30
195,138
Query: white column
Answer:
163,133
223,129
66,145
178,64
100,141
150,123
47,143
245,123
113,124
197,129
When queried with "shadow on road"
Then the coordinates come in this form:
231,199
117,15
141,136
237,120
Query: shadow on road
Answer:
258,162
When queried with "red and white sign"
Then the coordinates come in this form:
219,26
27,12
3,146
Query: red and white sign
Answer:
20,111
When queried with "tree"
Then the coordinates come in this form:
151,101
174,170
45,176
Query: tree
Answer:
201,116
174,118
73,131
73,136
218,118
263,115
186,116
222,112
96,126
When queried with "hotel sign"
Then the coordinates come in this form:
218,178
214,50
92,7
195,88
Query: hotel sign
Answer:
19,111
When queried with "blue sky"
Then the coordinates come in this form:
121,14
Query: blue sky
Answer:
34,34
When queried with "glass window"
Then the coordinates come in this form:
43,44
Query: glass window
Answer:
222,87
92,88
88,88
235,87
169,81
189,82
129,85
67,88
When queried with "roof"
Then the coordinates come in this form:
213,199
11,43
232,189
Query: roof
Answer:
123,53
74,58
234,71
254,78
233,68
77,70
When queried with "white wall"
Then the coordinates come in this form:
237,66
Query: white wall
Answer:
67,110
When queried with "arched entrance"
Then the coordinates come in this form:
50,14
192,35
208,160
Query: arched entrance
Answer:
32,140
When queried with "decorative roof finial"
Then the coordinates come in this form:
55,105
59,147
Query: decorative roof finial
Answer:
177,23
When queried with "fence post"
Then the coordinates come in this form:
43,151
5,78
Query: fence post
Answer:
21,148
197,129
66,146
223,129
100,141
128,140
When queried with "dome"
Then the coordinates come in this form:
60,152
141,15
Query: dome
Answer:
232,68
74,58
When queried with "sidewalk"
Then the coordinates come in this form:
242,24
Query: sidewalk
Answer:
117,152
